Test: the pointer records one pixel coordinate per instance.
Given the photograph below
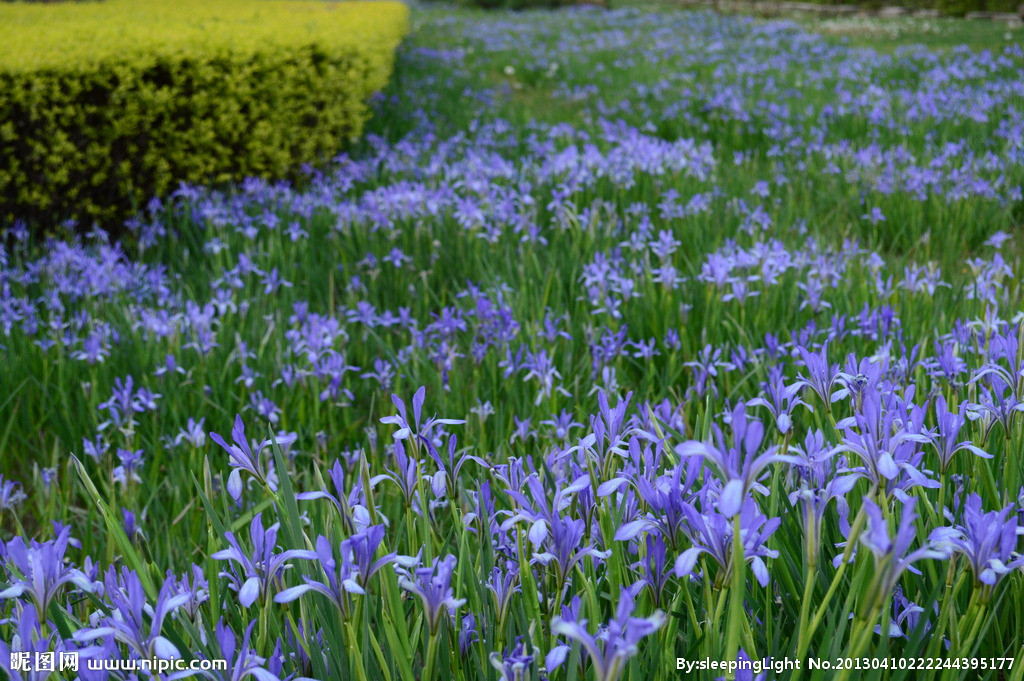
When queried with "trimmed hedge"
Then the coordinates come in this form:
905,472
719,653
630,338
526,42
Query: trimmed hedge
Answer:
103,106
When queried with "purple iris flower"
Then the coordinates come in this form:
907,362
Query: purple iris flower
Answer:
503,585
542,367
302,642
989,540
654,576
513,664
539,512
193,433
122,403
363,547
874,216
382,372
443,483
738,463
262,569
96,448
705,368
10,494
780,399
712,534
998,401
37,571
905,616
611,429
243,662
349,575
891,552
468,634
947,363
131,527
818,484
610,649
405,475
131,461
884,441
401,419
562,548
18,657
433,586
353,513
551,330
562,425
128,623
948,426
484,511
243,458
650,417
198,590
513,474
821,376
860,378
522,431
665,498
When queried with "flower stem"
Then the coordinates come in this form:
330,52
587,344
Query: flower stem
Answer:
804,644
805,606
946,615
859,638
732,637
432,649
355,652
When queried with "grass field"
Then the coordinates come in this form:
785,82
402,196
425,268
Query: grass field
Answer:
622,337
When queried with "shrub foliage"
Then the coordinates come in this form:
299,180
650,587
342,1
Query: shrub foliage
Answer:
103,106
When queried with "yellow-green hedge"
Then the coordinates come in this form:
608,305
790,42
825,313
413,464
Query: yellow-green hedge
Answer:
105,105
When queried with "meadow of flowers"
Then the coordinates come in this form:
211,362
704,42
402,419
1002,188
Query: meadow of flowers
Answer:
623,337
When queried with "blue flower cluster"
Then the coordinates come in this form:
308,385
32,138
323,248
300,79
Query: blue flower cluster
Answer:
723,319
